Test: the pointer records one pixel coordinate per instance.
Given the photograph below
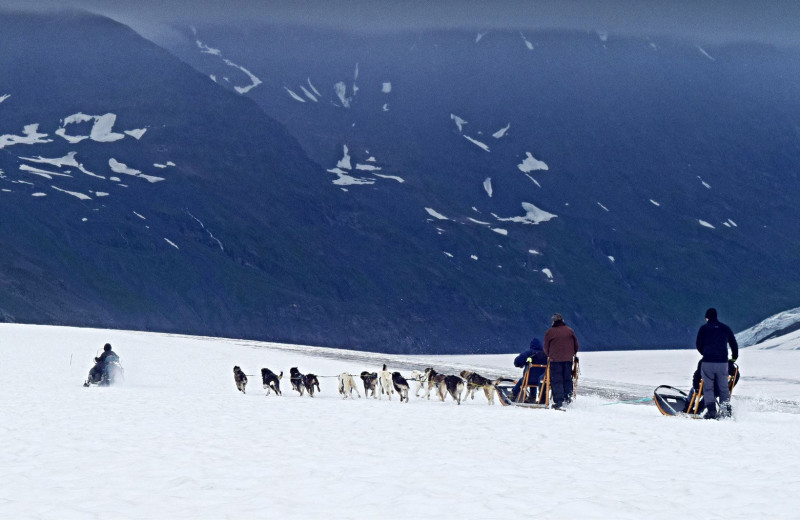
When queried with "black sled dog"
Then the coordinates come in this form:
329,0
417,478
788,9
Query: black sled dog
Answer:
240,379
271,381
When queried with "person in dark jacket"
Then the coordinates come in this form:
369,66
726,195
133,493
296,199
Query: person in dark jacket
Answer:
535,356
561,346
733,372
101,363
713,339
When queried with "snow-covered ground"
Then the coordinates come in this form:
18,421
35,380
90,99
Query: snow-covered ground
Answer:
178,441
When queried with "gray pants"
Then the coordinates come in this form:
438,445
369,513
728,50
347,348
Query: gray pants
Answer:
715,380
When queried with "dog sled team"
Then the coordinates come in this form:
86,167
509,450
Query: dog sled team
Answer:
378,384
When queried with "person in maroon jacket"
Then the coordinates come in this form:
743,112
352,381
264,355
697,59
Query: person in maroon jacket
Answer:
561,346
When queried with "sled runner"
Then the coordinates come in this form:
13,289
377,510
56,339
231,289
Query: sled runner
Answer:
672,401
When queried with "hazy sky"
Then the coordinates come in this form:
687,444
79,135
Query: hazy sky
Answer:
775,21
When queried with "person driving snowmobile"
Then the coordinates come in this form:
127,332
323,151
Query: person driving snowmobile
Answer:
101,364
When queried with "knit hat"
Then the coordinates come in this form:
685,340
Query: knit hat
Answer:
107,347
557,317
711,314
536,344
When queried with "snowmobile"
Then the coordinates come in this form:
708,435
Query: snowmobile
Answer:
533,394
111,374
672,401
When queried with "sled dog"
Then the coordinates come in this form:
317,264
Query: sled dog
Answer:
347,385
455,385
370,383
420,379
240,378
435,381
400,385
385,382
475,381
310,381
296,379
271,381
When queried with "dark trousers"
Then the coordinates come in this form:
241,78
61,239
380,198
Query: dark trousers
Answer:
561,381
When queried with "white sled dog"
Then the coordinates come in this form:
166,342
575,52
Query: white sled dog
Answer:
385,382
475,381
347,385
420,381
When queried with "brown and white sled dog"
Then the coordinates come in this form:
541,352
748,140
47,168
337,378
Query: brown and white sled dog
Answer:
310,381
296,379
420,381
435,381
400,385
385,382
370,383
347,385
476,381
240,378
271,381
455,385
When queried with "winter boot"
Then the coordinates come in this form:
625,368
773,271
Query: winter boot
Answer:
725,410
711,412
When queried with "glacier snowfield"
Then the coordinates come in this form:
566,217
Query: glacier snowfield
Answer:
177,440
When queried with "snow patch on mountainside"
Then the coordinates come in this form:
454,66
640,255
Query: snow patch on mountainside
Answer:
770,326
340,88
41,173
102,130
313,88
706,224
704,53
76,194
386,88
530,163
344,162
533,215
479,144
30,135
458,121
119,167
61,162
136,133
500,133
308,94
527,42
435,214
4,97
487,185
294,95
254,81
390,177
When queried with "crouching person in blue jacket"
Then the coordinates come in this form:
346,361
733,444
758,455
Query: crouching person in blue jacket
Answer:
536,356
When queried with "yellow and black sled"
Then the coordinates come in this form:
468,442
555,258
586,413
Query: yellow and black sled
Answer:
672,401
